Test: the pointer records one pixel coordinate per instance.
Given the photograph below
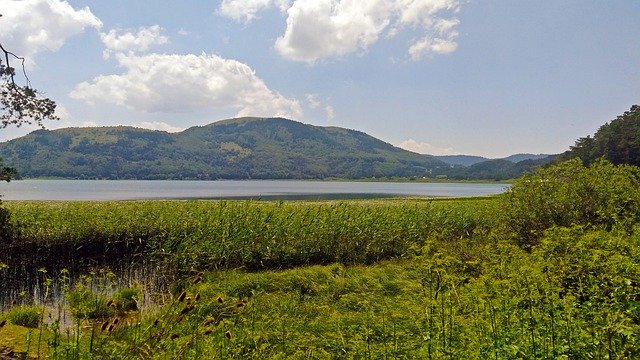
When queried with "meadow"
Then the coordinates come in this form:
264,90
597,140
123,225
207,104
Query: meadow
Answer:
548,270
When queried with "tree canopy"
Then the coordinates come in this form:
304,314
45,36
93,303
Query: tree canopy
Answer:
617,141
21,104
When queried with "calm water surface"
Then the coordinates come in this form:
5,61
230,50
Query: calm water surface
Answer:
230,189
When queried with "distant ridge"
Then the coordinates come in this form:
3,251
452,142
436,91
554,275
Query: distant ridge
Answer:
468,160
241,148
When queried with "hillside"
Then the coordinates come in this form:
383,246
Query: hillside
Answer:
469,160
244,148
618,141
498,169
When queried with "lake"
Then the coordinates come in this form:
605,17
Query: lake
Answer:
95,190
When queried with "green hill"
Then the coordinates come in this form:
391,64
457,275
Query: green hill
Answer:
244,148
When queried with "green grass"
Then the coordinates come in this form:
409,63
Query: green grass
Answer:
370,279
256,235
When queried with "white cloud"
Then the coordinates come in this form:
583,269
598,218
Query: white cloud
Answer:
425,148
319,29
130,42
313,101
247,9
32,26
158,125
325,28
330,113
183,83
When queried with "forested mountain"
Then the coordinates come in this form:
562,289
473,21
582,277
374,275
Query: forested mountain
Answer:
469,160
244,148
498,169
618,141
462,160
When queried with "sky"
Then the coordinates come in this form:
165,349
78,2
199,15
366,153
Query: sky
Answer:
441,77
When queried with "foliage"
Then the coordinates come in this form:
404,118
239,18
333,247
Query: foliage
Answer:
222,234
21,104
457,289
601,195
126,299
27,316
89,300
617,141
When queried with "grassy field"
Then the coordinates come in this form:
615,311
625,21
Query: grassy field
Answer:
403,279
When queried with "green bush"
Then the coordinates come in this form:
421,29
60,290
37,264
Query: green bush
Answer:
87,304
601,196
27,316
126,299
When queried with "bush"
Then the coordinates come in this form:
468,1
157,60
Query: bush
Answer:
126,299
27,316
87,304
568,193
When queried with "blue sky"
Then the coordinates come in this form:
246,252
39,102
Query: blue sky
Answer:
490,77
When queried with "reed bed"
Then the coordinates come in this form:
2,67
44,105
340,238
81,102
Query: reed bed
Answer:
250,234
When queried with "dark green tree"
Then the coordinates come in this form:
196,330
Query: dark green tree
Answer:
617,141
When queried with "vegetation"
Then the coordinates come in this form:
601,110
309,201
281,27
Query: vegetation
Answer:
246,148
27,316
617,141
548,270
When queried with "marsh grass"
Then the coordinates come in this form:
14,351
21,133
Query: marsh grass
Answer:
326,280
149,240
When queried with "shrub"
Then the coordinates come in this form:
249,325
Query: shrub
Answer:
568,193
87,304
126,299
27,316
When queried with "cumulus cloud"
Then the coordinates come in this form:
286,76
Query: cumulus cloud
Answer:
319,29
425,148
32,26
247,9
130,42
158,125
183,83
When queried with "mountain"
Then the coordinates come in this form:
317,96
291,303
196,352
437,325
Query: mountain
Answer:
618,141
522,157
462,160
497,169
469,160
243,148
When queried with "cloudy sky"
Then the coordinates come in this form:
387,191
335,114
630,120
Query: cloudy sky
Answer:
481,77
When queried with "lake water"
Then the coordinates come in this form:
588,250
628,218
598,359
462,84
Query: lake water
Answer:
230,189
